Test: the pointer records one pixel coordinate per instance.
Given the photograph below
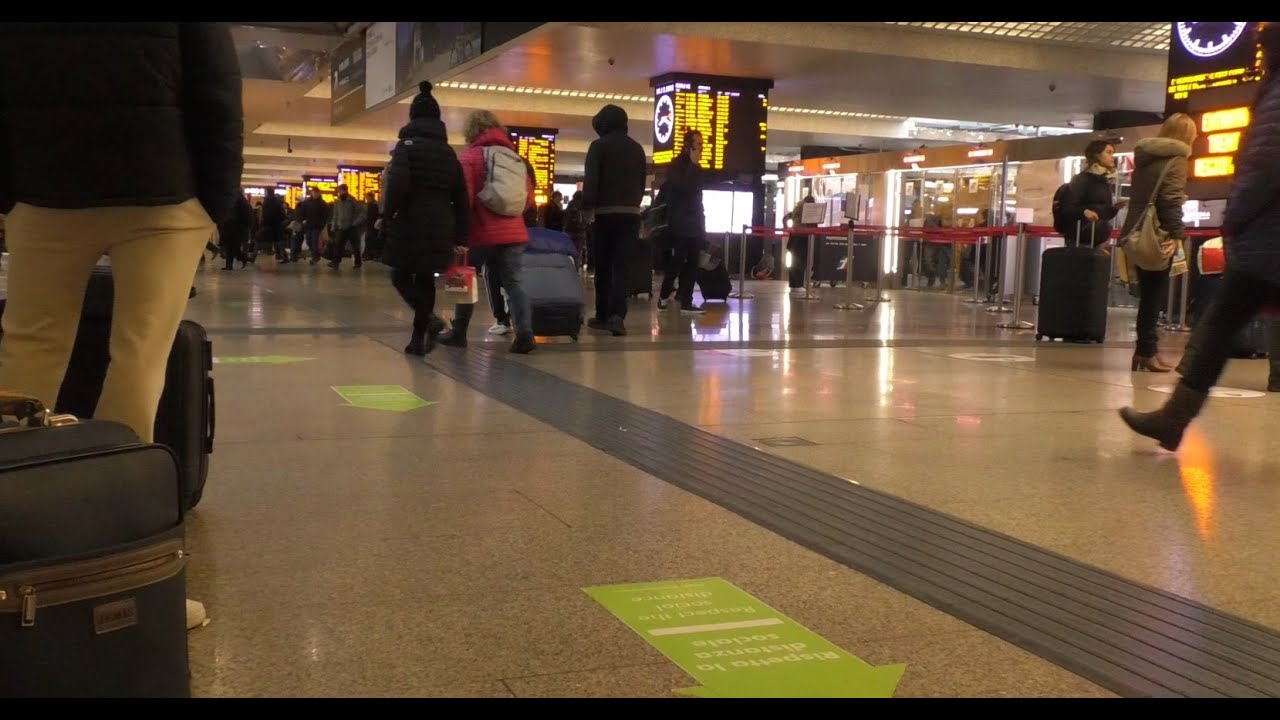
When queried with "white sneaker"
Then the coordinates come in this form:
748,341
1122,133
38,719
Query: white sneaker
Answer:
499,329
196,616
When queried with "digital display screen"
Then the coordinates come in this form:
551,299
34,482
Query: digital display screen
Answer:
359,182
327,185
1213,72
731,114
1208,55
538,146
292,194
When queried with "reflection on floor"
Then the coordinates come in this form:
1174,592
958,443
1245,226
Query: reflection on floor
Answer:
444,550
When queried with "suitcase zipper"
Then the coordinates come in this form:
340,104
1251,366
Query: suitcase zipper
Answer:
89,579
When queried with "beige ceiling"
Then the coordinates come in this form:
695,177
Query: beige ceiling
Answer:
838,84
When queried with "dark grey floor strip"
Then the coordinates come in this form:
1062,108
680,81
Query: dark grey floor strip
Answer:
1130,638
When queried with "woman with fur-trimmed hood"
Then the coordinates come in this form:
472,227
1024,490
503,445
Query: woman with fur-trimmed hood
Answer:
1151,156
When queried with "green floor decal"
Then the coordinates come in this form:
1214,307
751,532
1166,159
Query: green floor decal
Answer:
736,646
260,360
381,397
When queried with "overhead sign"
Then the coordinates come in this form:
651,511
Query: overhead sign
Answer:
538,146
291,193
735,646
426,50
346,81
731,113
379,63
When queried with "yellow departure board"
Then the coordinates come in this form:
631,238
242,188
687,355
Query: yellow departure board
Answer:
292,194
538,146
327,185
360,182
730,113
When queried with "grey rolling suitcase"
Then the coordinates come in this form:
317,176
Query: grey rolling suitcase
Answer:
555,294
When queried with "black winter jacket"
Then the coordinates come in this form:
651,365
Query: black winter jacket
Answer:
1089,191
615,167
682,192
120,114
426,205
1251,224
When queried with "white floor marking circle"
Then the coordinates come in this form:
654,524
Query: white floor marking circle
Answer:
1218,392
992,357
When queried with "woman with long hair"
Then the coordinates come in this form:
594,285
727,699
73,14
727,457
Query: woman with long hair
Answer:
1251,236
1159,178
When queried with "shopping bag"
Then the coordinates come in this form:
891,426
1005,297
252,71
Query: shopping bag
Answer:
460,282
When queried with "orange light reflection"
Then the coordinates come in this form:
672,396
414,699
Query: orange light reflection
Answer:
1195,467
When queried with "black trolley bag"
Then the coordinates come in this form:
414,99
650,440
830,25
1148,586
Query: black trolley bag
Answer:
1074,282
92,560
186,416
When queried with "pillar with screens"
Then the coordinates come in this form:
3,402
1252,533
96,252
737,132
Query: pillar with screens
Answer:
732,114
538,146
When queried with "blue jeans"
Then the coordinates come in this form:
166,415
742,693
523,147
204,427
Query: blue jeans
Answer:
510,264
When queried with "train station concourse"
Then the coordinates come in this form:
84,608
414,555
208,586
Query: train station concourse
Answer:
876,451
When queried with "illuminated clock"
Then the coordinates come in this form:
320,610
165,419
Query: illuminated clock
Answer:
1207,39
664,119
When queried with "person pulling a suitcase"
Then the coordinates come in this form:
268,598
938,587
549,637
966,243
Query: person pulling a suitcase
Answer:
686,224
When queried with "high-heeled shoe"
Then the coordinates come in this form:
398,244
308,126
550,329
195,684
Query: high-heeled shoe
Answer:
1150,364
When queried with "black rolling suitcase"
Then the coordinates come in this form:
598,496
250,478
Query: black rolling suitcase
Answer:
1073,294
715,283
92,560
640,279
185,419
555,294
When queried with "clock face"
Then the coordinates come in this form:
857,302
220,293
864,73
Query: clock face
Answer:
1207,39
664,119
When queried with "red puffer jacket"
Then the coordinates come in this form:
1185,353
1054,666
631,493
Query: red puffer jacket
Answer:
489,229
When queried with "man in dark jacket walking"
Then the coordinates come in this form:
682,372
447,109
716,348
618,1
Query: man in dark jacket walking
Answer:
612,190
123,139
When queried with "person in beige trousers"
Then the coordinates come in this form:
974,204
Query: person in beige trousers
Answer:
117,139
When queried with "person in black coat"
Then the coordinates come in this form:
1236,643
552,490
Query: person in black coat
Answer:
233,232
686,223
425,216
1090,206
118,138
1251,238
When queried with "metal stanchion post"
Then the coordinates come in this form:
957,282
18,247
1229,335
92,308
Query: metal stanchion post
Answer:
1182,325
1168,309
848,303
808,272
999,308
977,268
880,296
1015,323
742,293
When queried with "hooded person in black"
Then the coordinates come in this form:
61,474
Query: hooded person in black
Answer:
612,189
426,214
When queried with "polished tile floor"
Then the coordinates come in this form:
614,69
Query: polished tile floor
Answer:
442,551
